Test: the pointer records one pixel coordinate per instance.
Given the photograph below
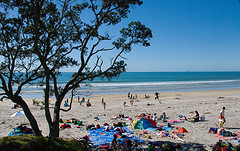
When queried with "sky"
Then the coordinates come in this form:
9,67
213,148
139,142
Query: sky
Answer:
188,35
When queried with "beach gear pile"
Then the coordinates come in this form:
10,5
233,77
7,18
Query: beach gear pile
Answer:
225,146
224,134
67,122
20,130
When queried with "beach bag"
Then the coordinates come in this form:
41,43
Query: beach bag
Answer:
203,118
79,123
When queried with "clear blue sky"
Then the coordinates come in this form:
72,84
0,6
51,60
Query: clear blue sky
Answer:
188,35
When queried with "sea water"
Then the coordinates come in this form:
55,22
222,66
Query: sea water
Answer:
138,82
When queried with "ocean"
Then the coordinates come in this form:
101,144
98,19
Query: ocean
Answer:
138,82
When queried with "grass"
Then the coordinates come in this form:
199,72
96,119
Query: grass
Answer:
36,143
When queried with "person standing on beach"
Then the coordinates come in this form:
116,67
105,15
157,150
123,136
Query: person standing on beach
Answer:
102,100
156,95
83,99
104,105
221,117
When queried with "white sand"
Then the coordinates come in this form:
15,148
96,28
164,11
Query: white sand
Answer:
207,103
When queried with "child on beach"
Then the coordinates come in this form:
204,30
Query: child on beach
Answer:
132,100
83,99
124,104
66,104
164,117
88,103
154,116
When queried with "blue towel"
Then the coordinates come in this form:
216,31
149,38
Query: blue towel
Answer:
100,136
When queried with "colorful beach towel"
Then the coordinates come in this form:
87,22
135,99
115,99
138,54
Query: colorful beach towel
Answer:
175,121
230,137
101,137
166,128
226,138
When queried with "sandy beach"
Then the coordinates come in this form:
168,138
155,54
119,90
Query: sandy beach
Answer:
207,103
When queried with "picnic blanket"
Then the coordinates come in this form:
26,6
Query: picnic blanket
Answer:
100,136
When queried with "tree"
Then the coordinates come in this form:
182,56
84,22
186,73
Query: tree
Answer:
47,33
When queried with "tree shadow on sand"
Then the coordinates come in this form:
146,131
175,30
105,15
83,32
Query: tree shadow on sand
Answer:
170,146
232,128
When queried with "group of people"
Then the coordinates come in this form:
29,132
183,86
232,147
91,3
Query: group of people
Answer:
163,117
196,117
131,97
222,119
83,100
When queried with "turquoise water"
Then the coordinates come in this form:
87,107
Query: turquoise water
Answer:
137,82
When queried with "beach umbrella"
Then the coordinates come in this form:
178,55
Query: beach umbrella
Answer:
18,114
143,123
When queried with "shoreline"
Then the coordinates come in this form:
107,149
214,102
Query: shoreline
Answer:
30,95
207,103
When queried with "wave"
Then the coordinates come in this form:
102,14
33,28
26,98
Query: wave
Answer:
110,84
162,83
123,87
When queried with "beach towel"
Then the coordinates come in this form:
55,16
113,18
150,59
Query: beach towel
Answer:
175,121
227,138
102,137
166,128
21,130
230,137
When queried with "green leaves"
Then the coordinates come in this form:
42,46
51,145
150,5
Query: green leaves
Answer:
135,33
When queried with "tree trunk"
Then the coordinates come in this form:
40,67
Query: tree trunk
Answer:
29,116
54,130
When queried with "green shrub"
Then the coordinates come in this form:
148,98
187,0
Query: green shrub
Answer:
36,143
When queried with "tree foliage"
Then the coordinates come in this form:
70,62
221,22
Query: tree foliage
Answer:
39,37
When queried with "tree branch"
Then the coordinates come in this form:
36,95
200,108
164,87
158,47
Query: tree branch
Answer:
70,106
